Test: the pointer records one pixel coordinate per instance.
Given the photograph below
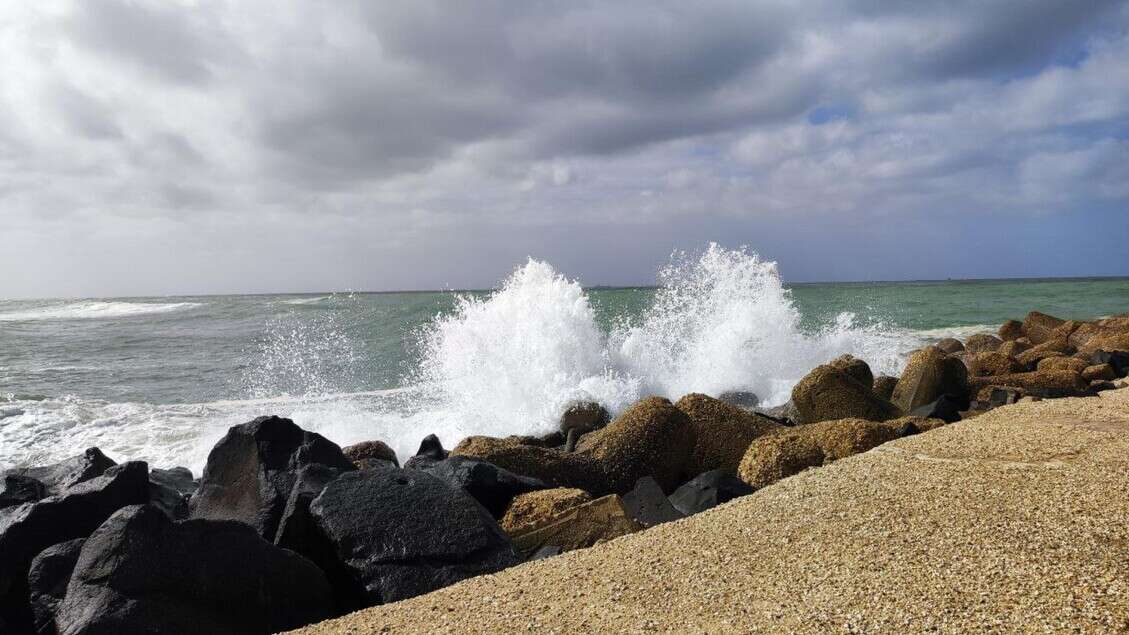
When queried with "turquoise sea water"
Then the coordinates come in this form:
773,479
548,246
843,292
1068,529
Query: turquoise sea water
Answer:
162,378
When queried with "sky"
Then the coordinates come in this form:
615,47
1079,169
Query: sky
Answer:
220,146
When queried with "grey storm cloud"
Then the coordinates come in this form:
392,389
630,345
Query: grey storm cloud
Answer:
368,138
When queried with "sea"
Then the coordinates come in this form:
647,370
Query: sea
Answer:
162,378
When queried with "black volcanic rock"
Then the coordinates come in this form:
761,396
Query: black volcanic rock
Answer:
18,489
430,450
170,490
489,484
251,472
77,469
47,581
391,534
708,490
141,572
648,504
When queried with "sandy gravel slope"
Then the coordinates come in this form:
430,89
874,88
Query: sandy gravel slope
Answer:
1016,520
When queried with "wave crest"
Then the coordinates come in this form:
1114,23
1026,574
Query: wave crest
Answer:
93,309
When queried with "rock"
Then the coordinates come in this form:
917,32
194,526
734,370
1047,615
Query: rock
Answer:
785,414
1098,372
378,450
430,449
1011,330
982,343
928,375
251,471
1038,326
992,363
47,581
393,534
554,467
59,476
492,486
535,508
582,526
1012,348
947,408
996,396
854,367
708,490
1052,383
722,432
1061,363
651,438
1065,330
741,398
1086,331
773,457
884,386
27,529
1099,385
297,530
19,489
828,393
1119,360
584,416
950,345
1050,348
170,490
647,504
210,577
547,551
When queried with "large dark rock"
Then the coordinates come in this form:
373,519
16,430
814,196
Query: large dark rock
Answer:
370,450
1119,360
140,572
27,529
430,450
490,485
647,504
47,582
18,489
170,490
251,471
77,469
392,534
743,399
946,408
296,528
708,490
551,465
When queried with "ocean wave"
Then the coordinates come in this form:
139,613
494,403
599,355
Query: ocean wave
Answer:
305,301
93,309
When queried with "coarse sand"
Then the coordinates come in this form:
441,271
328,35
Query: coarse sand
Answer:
1017,520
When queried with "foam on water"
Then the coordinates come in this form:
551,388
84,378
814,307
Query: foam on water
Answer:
93,310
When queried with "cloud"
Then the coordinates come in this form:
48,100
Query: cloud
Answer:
382,131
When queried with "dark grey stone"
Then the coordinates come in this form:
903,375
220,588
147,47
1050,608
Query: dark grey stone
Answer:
708,490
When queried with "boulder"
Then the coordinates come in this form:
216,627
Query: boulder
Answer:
982,343
741,398
950,345
580,527
996,396
856,368
708,490
141,572
992,363
722,432
18,489
648,505
947,408
57,477
552,466
47,581
251,471
1086,331
884,386
27,529
1051,383
1113,341
170,490
928,375
651,438
1066,329
297,530
1119,360
1011,330
376,450
1012,348
535,508
1061,363
785,414
1050,348
430,449
828,393
584,416
391,534
492,486
1096,372
1037,326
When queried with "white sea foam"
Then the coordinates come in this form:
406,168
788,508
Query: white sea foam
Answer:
92,309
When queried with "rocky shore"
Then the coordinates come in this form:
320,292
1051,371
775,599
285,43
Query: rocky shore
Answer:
1013,517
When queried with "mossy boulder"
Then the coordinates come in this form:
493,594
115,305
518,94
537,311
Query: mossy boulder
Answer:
1012,348
369,450
651,438
722,433
950,345
992,363
535,508
1038,327
982,343
1109,340
775,457
578,527
828,393
1062,363
1099,372
854,367
884,386
1041,383
929,374
1035,354
1011,330
554,467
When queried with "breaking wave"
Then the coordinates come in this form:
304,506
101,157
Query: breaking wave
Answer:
93,309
